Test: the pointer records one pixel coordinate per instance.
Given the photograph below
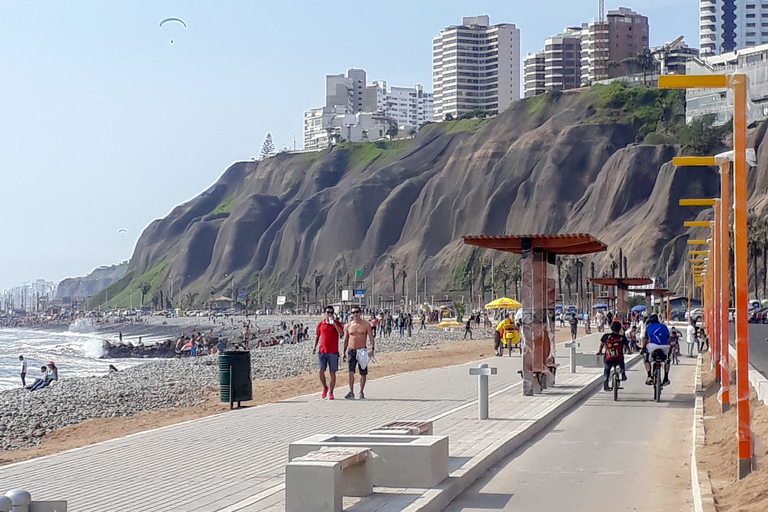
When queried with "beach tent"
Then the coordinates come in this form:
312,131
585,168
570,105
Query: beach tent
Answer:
599,306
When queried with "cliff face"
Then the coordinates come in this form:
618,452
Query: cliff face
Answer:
93,283
547,165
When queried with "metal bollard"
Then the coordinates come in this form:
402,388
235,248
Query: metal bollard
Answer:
5,504
572,345
482,371
20,499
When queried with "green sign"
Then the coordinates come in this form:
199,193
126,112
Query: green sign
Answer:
358,273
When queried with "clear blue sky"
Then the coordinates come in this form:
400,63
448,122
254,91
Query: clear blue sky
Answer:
105,125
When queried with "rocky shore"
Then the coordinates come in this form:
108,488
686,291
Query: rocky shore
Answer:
160,384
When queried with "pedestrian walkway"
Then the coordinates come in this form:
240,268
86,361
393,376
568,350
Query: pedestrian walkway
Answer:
236,460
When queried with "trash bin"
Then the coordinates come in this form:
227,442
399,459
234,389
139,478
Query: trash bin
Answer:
235,377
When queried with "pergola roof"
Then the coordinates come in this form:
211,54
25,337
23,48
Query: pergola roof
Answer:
625,281
656,292
558,244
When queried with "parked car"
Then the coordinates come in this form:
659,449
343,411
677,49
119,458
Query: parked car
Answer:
678,315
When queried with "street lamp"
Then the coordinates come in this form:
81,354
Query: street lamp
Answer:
738,84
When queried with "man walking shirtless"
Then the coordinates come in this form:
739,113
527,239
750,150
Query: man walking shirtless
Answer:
356,334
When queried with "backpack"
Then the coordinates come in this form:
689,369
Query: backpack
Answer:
614,346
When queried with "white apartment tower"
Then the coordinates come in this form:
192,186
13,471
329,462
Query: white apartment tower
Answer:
410,107
558,67
729,25
475,66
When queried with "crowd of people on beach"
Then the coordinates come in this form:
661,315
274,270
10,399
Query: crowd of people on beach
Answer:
49,375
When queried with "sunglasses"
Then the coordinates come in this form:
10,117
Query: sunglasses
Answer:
355,312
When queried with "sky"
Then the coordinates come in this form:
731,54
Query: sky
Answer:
108,121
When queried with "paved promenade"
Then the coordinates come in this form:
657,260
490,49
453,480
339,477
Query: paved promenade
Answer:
235,461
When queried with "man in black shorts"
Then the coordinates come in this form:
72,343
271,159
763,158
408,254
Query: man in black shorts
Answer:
356,334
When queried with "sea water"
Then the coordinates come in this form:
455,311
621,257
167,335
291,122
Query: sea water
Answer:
76,353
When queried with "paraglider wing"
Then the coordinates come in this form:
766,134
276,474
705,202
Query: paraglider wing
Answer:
122,231
167,20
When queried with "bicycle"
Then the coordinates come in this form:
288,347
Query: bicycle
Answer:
658,358
675,354
615,379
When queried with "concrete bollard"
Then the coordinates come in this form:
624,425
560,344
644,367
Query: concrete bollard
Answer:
20,499
6,504
482,371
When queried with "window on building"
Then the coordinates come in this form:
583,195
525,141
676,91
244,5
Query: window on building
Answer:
750,15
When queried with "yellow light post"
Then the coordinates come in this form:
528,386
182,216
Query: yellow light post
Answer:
720,351
738,84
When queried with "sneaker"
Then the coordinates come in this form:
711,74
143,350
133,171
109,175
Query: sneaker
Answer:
350,396
325,392
606,388
649,381
330,396
623,376
666,382
362,396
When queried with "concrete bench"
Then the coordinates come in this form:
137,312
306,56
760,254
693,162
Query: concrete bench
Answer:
405,428
320,479
402,460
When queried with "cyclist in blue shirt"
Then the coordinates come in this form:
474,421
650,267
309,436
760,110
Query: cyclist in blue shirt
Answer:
656,338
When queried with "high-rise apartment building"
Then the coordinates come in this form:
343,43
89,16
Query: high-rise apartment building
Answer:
729,25
558,67
623,36
475,66
411,107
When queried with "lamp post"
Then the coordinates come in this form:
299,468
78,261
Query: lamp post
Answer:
738,84
722,271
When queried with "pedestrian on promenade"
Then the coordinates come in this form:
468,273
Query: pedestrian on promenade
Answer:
690,336
356,334
574,326
23,371
327,333
409,324
423,319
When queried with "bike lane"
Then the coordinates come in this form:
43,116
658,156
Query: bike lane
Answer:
632,454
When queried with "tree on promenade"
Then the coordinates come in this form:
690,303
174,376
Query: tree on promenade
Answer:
144,289
268,148
393,266
191,297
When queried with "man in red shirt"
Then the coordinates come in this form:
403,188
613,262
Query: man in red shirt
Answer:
327,333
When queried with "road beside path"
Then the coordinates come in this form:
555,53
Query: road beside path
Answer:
632,454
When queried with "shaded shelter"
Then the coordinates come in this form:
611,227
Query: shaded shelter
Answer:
621,285
539,275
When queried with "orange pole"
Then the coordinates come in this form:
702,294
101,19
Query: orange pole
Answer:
714,330
738,83
724,396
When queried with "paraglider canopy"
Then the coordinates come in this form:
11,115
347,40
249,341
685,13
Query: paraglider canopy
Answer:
168,20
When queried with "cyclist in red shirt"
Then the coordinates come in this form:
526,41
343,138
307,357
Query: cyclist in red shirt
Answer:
615,344
327,333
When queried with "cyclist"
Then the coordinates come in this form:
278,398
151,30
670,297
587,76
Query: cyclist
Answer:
615,344
674,341
656,338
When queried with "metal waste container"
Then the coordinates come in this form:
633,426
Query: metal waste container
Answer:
235,377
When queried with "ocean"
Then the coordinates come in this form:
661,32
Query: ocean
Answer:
76,354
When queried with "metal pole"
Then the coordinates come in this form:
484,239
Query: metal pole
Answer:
739,84
724,396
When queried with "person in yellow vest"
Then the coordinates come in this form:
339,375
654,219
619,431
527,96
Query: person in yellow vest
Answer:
498,334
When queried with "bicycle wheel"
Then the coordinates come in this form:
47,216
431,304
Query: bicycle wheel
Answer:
657,385
616,381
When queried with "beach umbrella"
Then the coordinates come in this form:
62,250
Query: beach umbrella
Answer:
600,306
638,309
503,303
446,323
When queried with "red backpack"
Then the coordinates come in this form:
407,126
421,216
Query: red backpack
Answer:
614,345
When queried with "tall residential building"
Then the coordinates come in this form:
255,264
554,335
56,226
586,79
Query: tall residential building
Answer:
624,34
729,25
475,66
558,67
533,73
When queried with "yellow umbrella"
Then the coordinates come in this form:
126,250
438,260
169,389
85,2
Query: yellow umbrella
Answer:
503,303
451,323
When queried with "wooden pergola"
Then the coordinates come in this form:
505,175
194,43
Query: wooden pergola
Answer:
537,266
621,284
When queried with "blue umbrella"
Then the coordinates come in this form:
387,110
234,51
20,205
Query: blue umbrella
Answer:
600,306
638,309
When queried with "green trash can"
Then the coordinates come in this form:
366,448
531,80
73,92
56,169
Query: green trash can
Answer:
235,377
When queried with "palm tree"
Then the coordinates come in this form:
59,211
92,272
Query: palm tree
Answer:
645,61
559,263
191,297
515,273
404,275
393,266
144,289
568,282
753,246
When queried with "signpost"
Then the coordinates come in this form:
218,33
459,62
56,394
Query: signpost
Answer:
281,300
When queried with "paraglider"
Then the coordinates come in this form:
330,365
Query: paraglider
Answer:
122,232
167,20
